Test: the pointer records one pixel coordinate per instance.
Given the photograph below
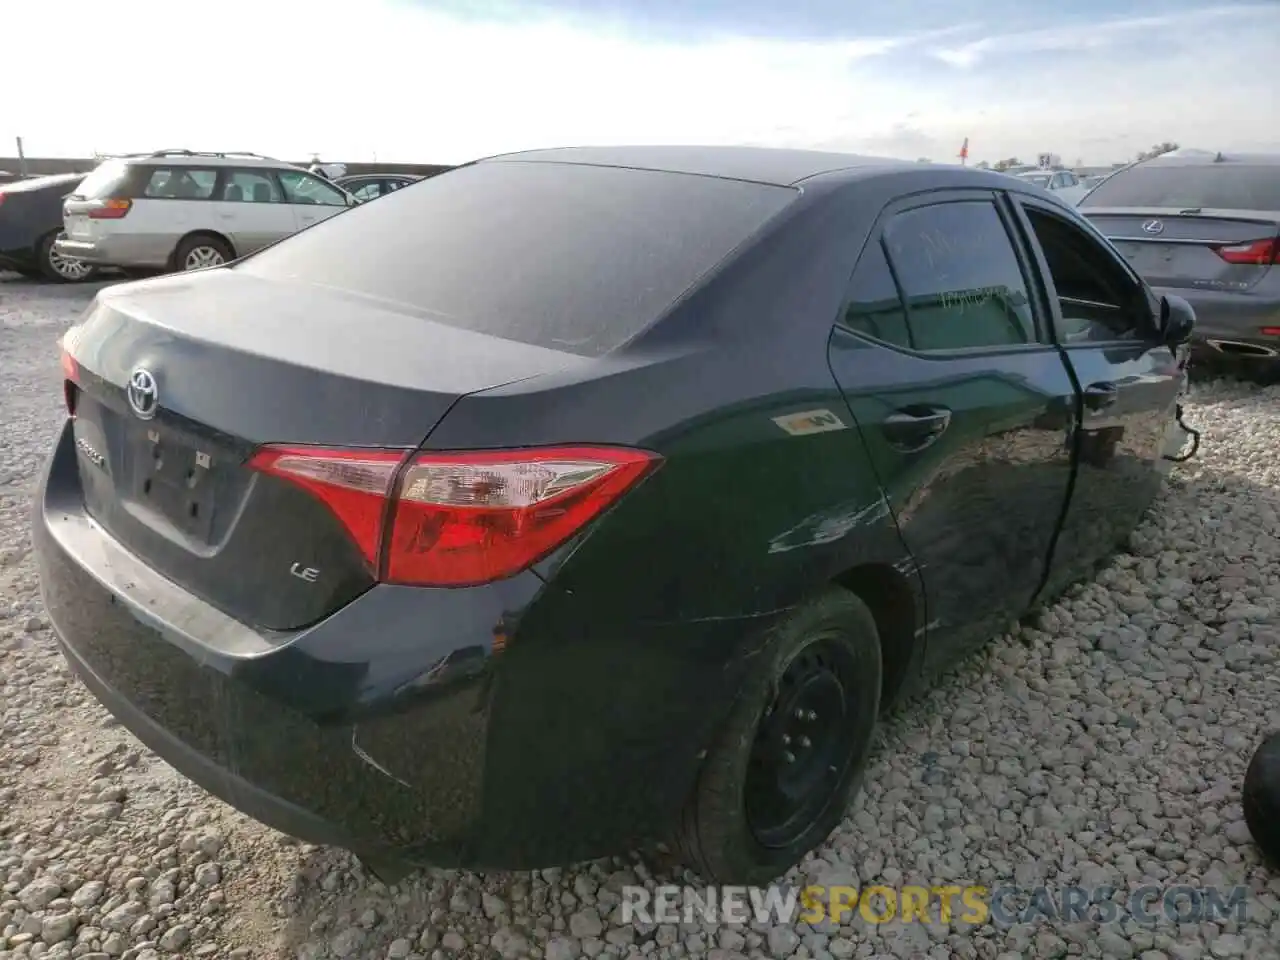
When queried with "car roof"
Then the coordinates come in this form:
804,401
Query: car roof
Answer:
40,183
770,165
198,159
1205,158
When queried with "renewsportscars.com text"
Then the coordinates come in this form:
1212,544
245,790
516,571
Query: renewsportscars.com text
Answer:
1149,905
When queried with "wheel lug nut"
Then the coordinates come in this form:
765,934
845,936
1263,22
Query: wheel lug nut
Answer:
804,742
789,757
786,740
799,714
811,715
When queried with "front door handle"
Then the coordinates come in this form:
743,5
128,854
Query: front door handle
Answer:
1098,396
915,427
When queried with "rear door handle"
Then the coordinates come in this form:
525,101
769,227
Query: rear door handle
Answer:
915,427
1098,396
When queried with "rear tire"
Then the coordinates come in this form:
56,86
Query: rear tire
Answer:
761,801
201,250
58,268
1260,798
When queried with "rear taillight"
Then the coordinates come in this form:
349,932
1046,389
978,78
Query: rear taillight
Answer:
111,210
1270,331
70,378
459,519
1258,253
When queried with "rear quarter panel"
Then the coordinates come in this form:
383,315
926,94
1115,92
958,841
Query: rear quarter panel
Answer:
752,510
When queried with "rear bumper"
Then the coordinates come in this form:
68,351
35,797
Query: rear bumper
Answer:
396,726
1224,319
120,250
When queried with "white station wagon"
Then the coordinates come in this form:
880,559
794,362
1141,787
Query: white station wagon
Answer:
181,210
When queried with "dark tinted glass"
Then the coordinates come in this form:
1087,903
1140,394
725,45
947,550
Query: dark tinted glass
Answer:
575,258
961,278
1097,299
874,307
1218,186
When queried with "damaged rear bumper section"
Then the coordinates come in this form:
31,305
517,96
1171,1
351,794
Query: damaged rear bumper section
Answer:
406,727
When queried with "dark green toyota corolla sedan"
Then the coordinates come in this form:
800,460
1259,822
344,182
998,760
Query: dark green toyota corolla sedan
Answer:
580,498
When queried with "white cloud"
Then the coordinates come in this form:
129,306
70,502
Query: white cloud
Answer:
1094,35
403,83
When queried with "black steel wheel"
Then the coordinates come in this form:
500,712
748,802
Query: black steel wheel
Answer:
777,780
1260,798
802,746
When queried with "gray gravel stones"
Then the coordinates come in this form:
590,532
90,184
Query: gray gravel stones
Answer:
1102,744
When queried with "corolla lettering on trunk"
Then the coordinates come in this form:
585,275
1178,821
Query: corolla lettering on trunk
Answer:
97,459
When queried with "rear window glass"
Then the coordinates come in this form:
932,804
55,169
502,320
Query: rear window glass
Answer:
1219,186
105,179
573,258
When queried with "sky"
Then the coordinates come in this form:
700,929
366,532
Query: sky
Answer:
446,81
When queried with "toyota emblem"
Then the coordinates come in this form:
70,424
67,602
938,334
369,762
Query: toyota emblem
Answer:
1153,227
143,396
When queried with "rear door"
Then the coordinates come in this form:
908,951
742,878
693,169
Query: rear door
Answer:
1103,316
172,201
252,210
965,406
311,199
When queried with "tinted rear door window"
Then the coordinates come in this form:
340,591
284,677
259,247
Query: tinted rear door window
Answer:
874,307
574,258
1219,186
961,277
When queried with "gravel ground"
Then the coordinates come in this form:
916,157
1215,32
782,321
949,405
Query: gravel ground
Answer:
1104,746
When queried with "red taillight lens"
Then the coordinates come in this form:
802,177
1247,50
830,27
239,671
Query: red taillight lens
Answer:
111,210
70,369
1258,253
459,519
1270,331
475,517
353,484
70,377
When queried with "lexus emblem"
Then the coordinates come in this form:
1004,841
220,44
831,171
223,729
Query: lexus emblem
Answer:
143,396
1153,227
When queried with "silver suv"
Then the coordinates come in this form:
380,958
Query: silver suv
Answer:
181,210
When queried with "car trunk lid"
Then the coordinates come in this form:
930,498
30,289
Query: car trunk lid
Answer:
1229,251
175,382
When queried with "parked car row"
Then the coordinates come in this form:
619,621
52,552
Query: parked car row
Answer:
1063,183
181,210
168,210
